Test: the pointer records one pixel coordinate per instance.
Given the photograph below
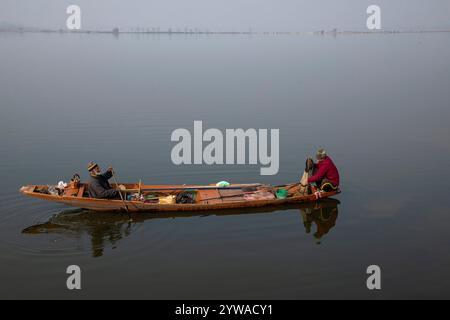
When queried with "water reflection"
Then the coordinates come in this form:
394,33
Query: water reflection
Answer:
109,228
323,215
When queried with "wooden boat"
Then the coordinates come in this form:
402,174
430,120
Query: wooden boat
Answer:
235,196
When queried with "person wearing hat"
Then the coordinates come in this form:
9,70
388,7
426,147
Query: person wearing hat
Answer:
99,186
325,174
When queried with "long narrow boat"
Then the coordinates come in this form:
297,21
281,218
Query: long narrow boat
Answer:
235,196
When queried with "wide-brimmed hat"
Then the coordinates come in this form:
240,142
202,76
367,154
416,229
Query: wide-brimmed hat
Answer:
92,166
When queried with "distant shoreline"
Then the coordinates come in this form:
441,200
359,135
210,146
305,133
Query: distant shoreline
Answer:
168,32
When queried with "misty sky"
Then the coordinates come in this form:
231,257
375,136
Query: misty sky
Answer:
261,15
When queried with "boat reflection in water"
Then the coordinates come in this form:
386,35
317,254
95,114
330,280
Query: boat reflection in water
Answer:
109,228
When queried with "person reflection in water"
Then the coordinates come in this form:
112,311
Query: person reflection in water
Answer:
324,216
107,230
103,231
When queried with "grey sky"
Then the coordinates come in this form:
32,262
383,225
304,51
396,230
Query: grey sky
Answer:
261,15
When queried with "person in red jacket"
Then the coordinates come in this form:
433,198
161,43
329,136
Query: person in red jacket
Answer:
324,173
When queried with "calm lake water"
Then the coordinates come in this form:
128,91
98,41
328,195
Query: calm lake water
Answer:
380,105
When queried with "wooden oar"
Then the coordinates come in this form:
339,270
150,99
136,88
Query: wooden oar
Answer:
237,186
230,196
120,192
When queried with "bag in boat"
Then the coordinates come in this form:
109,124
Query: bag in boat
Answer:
186,197
303,188
167,200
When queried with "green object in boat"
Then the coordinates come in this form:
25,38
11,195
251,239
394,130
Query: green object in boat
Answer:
222,184
282,194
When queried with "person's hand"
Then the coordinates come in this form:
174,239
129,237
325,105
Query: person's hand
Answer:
110,169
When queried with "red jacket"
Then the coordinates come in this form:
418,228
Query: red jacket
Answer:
325,169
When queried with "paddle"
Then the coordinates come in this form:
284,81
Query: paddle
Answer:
120,192
237,186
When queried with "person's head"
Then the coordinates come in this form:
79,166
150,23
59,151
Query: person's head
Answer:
93,168
321,154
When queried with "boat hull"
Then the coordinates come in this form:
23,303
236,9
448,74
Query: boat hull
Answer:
104,205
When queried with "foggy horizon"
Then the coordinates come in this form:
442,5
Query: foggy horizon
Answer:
234,15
